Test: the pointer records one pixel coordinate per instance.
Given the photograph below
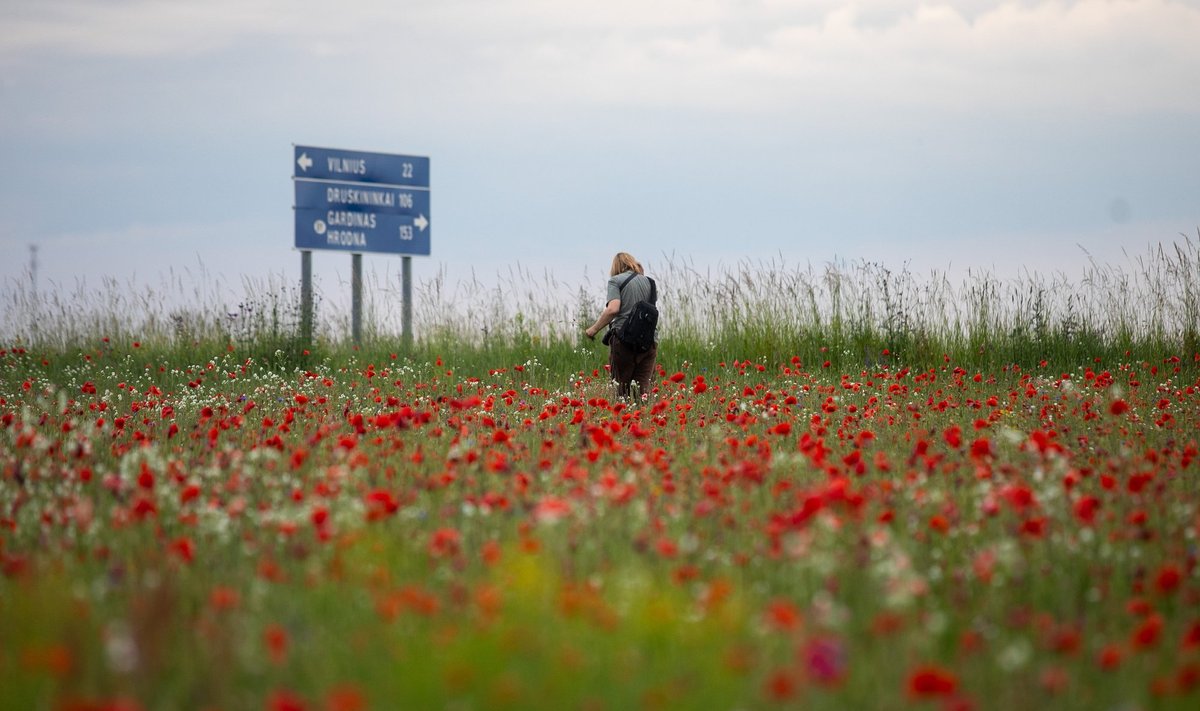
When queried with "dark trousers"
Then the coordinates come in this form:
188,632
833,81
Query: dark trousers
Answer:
628,367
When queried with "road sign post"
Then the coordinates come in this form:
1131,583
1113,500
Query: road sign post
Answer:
406,300
357,202
356,298
306,297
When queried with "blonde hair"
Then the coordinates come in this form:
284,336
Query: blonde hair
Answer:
624,262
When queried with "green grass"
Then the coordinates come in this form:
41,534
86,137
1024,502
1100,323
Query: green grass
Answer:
847,313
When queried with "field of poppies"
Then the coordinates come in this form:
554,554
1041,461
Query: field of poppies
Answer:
373,531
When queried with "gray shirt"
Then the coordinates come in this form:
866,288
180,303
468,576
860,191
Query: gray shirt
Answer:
638,289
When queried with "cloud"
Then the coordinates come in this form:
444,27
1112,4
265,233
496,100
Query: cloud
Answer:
1131,56
825,57
141,28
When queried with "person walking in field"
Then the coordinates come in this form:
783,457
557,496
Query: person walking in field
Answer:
632,317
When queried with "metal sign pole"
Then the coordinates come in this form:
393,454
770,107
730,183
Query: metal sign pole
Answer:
356,298
306,297
406,300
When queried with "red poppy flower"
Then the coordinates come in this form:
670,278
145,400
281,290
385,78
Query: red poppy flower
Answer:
380,504
1148,633
1168,579
1085,509
1191,638
783,615
345,698
1109,657
223,598
275,637
184,549
444,542
781,685
931,681
283,700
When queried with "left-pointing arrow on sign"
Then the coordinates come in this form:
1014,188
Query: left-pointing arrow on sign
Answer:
304,162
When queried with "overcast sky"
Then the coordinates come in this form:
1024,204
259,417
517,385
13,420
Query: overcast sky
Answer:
145,136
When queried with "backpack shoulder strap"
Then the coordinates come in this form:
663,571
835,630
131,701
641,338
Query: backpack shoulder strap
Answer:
653,292
621,286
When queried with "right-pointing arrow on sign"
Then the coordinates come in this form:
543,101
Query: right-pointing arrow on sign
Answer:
421,222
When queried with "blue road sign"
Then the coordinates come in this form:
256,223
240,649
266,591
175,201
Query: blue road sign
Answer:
355,201
357,231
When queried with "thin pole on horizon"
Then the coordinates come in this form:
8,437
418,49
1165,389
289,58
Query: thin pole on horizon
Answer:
33,266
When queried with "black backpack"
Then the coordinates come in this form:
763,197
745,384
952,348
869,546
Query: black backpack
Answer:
638,330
